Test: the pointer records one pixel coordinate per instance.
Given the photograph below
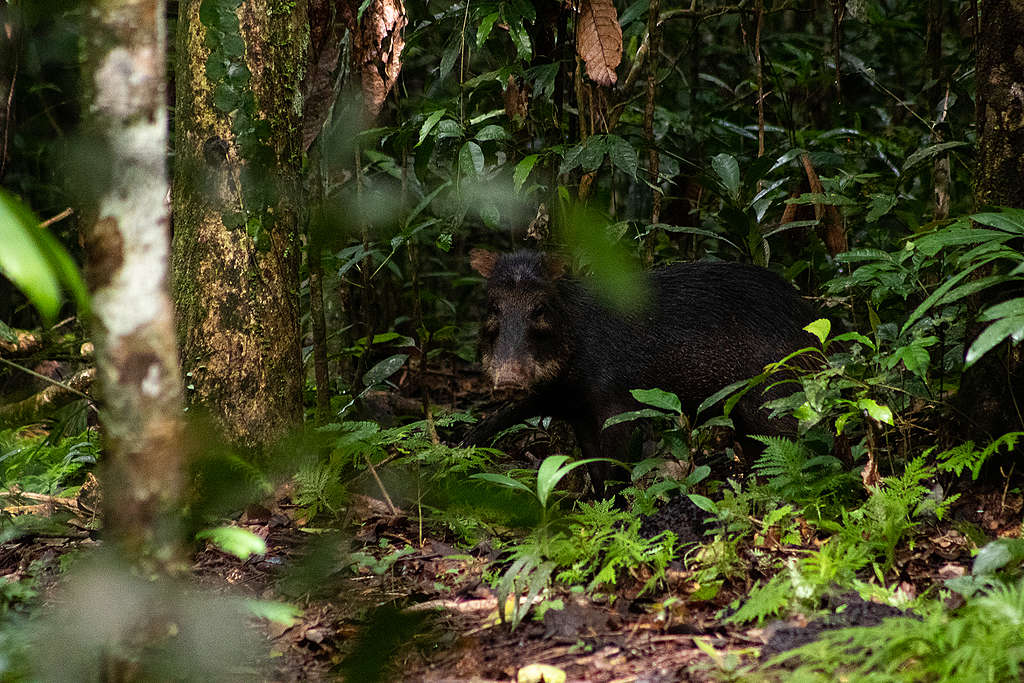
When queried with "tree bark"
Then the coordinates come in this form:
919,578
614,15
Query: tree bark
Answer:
127,250
237,209
989,389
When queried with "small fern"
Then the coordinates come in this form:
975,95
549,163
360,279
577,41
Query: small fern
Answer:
982,641
796,473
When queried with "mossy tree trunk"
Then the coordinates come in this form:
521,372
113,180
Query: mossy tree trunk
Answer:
237,211
990,392
127,255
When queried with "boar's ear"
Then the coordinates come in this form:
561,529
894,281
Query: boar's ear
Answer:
483,261
555,266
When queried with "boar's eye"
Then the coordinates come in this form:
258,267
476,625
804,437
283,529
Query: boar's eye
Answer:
538,310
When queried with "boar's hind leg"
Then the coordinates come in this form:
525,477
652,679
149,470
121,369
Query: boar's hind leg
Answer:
601,444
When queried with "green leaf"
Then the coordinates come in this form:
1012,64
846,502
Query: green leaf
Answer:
878,412
720,394
881,204
485,27
278,612
592,153
491,132
384,369
429,124
857,337
693,231
1009,219
997,554
820,328
632,415
993,335
916,359
549,474
34,261
235,540
622,155
521,39
504,480
1012,307
928,152
471,160
522,171
728,171
705,504
659,399
939,292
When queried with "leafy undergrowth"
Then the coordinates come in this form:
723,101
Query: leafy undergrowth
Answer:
684,594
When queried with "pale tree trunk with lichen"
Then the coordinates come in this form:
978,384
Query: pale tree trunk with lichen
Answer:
127,256
237,210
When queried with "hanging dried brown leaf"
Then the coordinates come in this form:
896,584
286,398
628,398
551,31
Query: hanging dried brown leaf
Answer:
599,40
378,50
516,97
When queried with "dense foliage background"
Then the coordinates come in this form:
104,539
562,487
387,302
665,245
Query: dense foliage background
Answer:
362,149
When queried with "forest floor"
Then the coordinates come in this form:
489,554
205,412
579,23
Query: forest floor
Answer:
419,608
430,615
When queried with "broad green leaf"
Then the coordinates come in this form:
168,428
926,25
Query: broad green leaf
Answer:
632,415
698,475
522,171
549,474
842,420
928,152
492,132
659,399
1011,307
471,160
485,27
720,394
995,555
939,292
277,612
622,155
503,480
993,335
820,329
954,236
693,231
705,504
384,369
881,204
235,540
521,39
877,412
429,124
1009,219
728,171
857,337
34,261
916,358
592,153
786,158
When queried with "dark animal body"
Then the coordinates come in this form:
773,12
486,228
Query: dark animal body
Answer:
702,326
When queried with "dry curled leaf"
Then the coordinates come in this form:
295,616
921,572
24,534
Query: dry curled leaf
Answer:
599,40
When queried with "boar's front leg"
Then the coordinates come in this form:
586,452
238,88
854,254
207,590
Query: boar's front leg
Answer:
483,432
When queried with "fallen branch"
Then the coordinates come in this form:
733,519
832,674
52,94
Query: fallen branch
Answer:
51,398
